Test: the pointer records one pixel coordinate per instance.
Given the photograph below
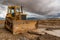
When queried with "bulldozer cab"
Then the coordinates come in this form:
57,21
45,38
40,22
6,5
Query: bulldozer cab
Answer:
16,12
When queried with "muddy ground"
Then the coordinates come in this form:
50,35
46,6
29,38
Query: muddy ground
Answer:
6,35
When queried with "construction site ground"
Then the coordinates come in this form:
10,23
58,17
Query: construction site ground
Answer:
6,35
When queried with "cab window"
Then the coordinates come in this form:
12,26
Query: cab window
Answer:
12,12
8,10
18,10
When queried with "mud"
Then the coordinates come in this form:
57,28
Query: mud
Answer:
7,35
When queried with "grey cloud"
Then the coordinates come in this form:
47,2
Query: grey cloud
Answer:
42,7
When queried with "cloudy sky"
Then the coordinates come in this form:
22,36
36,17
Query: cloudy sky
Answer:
4,10
40,7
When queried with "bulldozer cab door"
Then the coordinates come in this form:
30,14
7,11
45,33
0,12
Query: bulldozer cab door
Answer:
11,11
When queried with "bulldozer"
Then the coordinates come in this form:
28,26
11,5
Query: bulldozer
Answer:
16,21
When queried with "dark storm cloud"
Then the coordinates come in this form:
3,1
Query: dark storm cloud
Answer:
43,7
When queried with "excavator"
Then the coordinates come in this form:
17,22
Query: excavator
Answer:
16,21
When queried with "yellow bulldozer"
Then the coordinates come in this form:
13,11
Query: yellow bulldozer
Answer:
16,21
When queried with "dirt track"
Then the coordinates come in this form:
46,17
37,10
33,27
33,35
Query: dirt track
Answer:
6,35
